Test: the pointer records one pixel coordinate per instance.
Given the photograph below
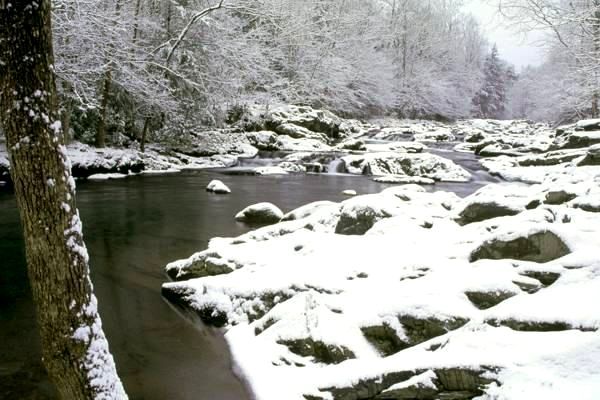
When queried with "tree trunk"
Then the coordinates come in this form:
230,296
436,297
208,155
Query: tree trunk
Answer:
74,348
101,128
144,134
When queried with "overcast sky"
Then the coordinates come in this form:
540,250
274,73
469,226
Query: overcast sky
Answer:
517,48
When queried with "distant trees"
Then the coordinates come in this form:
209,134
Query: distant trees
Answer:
187,63
74,348
490,100
571,76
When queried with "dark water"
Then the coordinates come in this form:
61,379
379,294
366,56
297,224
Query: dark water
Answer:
133,228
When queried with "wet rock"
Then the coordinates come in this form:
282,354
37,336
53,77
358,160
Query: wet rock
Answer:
484,300
477,211
261,213
541,246
320,351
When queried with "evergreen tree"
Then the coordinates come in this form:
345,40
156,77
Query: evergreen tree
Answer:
490,100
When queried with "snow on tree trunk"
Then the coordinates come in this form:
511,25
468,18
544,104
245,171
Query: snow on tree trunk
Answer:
74,348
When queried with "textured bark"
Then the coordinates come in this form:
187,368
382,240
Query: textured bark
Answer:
74,349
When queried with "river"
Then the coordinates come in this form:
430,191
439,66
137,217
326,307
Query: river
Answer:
133,227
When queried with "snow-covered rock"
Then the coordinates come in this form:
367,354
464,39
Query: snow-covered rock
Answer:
270,170
404,179
391,163
261,213
349,192
417,304
216,186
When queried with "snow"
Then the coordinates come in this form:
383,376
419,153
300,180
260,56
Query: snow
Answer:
104,177
216,186
405,164
299,282
349,192
270,171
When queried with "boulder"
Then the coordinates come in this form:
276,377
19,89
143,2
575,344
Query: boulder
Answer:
218,187
417,330
309,209
589,124
349,192
391,163
359,214
487,299
352,144
556,197
318,350
261,213
299,132
263,140
315,120
592,157
538,246
477,211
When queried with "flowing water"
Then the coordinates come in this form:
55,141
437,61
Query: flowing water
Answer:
133,228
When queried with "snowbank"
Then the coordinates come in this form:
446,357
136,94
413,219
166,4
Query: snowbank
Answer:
380,296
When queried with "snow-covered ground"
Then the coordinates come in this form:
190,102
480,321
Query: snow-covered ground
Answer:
494,295
407,294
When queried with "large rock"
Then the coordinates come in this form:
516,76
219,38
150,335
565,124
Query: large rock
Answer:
592,157
210,143
263,140
477,211
299,132
260,213
359,214
87,161
392,163
320,121
541,246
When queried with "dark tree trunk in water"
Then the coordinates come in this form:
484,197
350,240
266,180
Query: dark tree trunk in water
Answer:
74,348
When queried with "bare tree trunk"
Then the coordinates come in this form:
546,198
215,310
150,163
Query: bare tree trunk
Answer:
101,128
74,348
144,135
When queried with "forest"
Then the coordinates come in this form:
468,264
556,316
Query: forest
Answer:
299,200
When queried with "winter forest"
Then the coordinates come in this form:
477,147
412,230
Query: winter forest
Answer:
299,199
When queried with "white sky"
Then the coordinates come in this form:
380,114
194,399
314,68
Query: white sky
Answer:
517,48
